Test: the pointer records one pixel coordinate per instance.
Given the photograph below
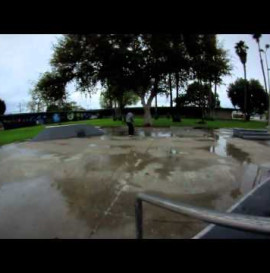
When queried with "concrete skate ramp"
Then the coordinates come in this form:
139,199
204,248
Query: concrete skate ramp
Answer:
67,131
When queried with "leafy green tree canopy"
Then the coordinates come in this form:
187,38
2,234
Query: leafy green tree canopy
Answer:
197,95
110,97
64,107
257,98
129,62
51,87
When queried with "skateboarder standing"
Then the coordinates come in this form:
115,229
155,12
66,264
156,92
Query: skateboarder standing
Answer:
129,121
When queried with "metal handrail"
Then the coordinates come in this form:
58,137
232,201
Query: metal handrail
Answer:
255,224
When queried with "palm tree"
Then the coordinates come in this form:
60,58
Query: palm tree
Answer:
241,50
267,67
257,38
267,71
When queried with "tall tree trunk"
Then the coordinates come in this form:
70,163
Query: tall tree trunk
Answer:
245,96
265,86
171,96
115,110
177,84
121,107
202,111
110,103
210,100
156,111
269,108
156,92
201,103
176,116
215,99
267,71
147,108
147,115
118,112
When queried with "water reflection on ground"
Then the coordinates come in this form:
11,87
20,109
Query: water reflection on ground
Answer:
141,132
250,174
156,132
222,148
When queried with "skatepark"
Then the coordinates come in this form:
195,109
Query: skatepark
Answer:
85,185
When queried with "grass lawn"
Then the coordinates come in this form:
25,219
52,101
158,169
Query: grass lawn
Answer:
21,134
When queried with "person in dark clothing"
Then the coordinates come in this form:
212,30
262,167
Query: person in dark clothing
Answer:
130,121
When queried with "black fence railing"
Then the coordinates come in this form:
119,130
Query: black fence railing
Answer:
30,119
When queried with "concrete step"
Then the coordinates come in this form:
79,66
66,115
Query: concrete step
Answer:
253,134
257,137
249,130
261,134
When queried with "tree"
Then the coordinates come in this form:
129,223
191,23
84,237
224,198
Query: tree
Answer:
118,100
51,88
177,66
197,95
135,63
128,62
241,50
71,106
256,100
267,46
165,55
37,103
65,107
257,37
147,68
106,101
53,108
2,107
106,58
31,106
221,67
208,62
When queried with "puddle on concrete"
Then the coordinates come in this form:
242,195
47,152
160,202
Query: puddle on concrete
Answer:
141,132
92,145
249,174
222,148
155,134
145,132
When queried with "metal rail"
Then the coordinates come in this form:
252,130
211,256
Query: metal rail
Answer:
254,224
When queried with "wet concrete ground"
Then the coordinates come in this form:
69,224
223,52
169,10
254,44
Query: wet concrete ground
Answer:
86,187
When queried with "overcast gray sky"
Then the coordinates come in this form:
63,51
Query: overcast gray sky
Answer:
24,57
